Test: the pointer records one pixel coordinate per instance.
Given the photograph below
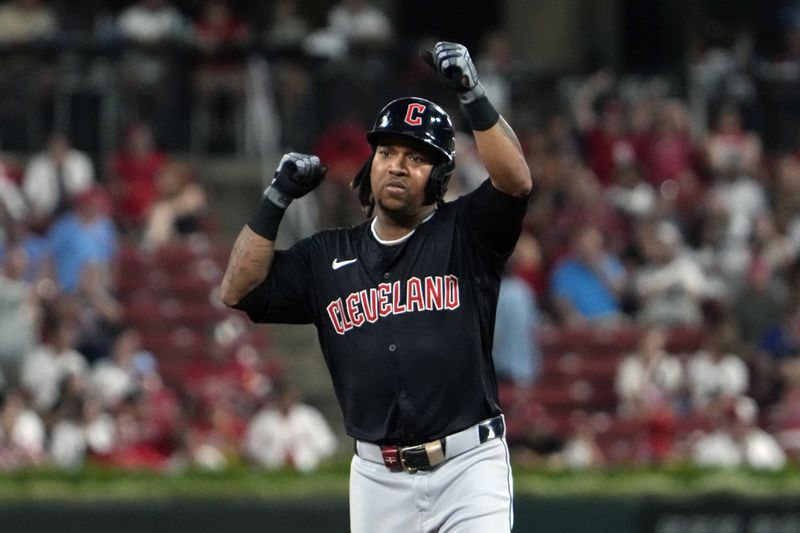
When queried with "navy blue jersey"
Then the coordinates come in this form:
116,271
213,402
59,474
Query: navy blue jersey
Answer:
406,329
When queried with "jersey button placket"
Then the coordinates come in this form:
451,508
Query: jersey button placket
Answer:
392,347
387,275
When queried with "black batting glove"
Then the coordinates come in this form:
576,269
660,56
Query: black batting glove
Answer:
455,68
296,175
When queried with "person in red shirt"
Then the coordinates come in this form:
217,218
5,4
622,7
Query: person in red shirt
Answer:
671,153
603,124
132,176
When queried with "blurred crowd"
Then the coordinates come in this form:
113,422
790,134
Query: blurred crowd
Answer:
662,203
648,218
79,383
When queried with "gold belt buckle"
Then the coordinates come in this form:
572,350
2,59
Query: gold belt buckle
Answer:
402,453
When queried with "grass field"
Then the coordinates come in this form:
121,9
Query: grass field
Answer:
95,483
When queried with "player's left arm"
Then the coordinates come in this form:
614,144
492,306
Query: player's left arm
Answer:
498,146
502,156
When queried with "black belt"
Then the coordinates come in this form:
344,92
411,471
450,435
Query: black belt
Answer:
429,455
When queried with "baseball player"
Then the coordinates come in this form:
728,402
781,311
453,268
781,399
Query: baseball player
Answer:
404,306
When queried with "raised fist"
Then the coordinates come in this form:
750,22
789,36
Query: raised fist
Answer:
296,175
455,68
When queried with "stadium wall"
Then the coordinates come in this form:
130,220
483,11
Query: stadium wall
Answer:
711,514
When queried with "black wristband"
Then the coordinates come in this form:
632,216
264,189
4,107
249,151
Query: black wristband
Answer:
266,219
481,114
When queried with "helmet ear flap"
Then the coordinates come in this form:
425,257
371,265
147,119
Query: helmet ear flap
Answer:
437,183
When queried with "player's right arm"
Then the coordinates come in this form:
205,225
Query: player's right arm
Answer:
251,257
248,265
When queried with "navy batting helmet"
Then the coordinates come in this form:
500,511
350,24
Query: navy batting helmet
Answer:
424,121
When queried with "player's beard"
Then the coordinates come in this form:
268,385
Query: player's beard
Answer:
405,214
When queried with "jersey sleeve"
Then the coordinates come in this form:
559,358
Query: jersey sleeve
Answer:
493,218
283,297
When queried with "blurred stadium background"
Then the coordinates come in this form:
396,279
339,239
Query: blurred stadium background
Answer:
662,395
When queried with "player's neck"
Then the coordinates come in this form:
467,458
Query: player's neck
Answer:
388,229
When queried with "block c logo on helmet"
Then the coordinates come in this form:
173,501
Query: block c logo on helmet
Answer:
414,114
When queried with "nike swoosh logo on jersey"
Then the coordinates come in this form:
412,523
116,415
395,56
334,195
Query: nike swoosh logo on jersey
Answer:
336,265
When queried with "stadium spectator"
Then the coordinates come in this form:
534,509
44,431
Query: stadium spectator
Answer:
133,449
587,286
529,266
649,377
82,236
631,195
731,150
19,315
54,178
98,313
722,263
22,433
669,285
55,361
606,132
15,225
360,23
157,408
179,208
581,448
716,375
580,203
735,440
516,354
495,62
719,66
343,149
13,204
119,377
670,153
66,445
39,267
27,21
99,428
131,178
200,451
649,383
762,299
737,195
288,433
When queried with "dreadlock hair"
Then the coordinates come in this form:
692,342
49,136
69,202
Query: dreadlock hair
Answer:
361,184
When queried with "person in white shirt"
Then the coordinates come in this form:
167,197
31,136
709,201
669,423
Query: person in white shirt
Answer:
738,441
55,176
671,284
22,432
649,376
45,369
715,375
357,21
152,22
288,433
